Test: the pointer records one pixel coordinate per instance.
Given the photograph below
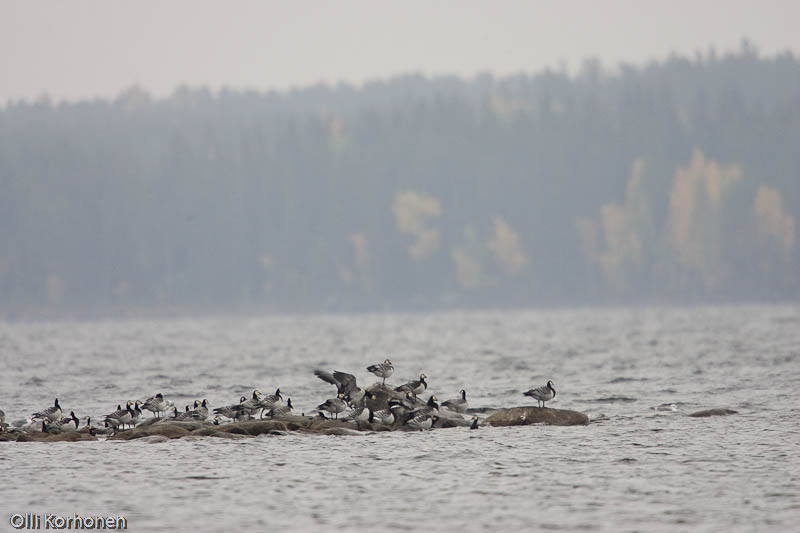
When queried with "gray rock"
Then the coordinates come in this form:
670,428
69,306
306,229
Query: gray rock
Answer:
713,412
523,416
169,430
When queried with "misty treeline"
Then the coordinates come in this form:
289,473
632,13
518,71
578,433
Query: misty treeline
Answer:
678,181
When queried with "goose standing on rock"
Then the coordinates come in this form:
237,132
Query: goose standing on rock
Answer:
382,370
422,421
136,413
155,405
234,412
193,413
334,405
416,386
51,413
431,407
384,416
401,407
361,413
282,410
202,410
268,403
121,416
459,405
542,394
250,406
104,431
68,423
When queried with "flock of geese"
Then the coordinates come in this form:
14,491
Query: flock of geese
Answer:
380,403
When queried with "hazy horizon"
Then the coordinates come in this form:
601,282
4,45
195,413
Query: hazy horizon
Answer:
81,51
418,156
643,186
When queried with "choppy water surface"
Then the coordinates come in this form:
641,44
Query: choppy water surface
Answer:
643,465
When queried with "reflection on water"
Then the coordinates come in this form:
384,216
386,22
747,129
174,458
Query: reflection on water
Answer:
642,465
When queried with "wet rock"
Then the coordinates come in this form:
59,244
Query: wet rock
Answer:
188,425
219,432
340,431
713,412
154,439
150,422
522,416
257,427
169,430
72,436
249,427
38,436
207,432
450,422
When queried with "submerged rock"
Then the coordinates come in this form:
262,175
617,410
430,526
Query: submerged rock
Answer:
713,412
253,427
523,416
38,436
170,430
340,431
154,439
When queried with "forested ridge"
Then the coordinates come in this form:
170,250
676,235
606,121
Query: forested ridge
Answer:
672,182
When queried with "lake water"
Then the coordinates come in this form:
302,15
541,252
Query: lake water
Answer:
642,465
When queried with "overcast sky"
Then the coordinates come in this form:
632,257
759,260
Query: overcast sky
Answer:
84,49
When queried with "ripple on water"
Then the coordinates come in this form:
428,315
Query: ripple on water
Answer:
598,476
